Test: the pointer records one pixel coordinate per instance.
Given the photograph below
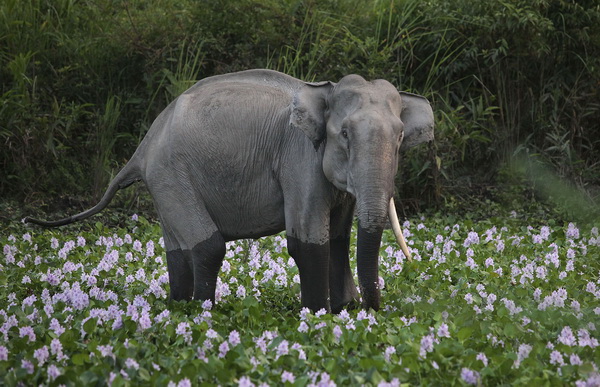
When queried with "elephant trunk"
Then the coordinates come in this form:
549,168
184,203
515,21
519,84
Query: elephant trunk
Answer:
372,214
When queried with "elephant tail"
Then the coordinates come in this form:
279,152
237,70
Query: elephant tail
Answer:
127,176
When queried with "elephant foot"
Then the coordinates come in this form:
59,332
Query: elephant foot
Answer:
348,305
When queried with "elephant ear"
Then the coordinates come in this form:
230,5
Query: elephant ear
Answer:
417,117
309,107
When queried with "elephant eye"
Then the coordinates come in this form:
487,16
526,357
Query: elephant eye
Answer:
344,133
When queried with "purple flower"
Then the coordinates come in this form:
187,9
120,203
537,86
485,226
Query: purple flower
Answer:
469,376
234,338
3,353
27,331
241,291
28,301
541,272
325,380
572,232
537,293
443,330
183,329
41,355
207,305
557,358
283,348
106,350
481,357
185,382
226,267
27,366
150,249
469,298
522,354
245,382
303,327
350,326
287,377
472,239
144,321
223,349
575,360
470,263
56,347
53,372
389,351
344,315
585,339
211,334
545,232
131,363
426,345
337,332
499,245
261,344
512,308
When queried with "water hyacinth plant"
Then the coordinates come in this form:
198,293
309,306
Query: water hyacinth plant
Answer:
483,303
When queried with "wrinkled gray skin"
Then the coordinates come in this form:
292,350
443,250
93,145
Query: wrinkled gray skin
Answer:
253,153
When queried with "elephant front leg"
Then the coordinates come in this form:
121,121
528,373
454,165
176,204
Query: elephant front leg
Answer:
341,282
342,288
312,260
207,258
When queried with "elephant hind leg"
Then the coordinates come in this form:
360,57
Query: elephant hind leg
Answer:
195,247
179,267
181,277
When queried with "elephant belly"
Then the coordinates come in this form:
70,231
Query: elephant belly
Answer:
251,215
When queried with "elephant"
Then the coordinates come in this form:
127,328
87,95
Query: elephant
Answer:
257,152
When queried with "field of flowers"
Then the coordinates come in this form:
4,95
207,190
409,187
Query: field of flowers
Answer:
483,303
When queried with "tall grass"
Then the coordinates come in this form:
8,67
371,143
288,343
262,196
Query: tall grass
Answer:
105,137
504,78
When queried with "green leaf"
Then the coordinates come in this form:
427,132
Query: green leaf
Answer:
80,358
464,333
510,330
90,325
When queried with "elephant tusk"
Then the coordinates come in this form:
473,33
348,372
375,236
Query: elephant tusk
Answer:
397,230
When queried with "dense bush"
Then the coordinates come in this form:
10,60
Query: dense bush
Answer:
81,81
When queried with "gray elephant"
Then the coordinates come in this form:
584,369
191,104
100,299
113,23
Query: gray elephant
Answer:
253,153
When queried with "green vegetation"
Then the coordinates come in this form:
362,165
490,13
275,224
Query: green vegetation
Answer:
504,290
503,301
81,81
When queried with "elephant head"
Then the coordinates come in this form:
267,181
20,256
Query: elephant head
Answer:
363,127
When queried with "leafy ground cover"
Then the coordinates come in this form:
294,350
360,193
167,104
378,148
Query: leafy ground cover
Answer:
493,302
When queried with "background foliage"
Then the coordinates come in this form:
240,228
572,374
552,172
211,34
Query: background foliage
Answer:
514,84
